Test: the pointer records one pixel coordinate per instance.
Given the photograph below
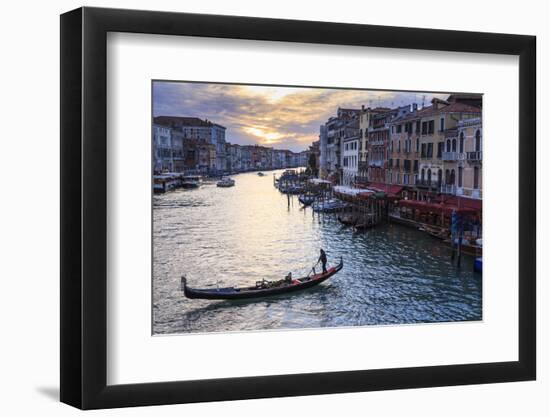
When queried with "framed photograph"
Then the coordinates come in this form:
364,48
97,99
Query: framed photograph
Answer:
257,208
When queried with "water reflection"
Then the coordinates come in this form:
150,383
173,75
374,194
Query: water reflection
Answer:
238,235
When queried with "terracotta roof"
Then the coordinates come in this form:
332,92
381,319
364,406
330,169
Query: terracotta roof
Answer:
183,121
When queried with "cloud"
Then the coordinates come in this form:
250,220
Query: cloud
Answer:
282,117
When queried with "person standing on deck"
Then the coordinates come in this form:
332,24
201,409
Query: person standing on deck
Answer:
323,260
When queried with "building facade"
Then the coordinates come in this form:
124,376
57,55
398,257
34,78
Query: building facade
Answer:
162,149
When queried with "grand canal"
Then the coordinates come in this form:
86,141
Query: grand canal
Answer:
239,235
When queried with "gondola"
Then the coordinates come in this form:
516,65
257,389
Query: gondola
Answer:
261,289
306,199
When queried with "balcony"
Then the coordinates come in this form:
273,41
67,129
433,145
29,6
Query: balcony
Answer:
432,185
448,189
453,156
474,156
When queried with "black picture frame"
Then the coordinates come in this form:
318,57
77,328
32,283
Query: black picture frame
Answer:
84,207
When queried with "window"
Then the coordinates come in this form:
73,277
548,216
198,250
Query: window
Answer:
430,153
439,149
399,128
448,149
454,145
439,177
398,146
415,165
476,177
424,128
429,176
418,126
431,127
397,163
461,142
478,141
417,144
423,153
460,169
422,174
442,124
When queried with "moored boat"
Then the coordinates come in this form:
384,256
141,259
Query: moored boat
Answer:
328,206
348,219
165,182
226,182
190,181
306,199
262,288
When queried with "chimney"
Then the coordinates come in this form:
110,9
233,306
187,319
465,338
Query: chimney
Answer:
415,106
362,107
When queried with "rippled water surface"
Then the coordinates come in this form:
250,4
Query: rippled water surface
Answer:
236,236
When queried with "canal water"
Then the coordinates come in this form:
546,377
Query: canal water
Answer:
239,235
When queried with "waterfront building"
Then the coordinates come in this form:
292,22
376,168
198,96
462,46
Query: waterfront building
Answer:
312,158
404,147
377,146
336,129
469,172
322,151
246,158
162,149
198,156
365,120
439,147
350,152
204,130
178,146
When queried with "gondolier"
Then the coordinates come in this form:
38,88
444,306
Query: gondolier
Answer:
323,260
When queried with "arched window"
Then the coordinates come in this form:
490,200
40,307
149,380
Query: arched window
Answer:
439,177
461,142
460,169
429,176
448,145
452,177
454,145
422,174
476,178
478,141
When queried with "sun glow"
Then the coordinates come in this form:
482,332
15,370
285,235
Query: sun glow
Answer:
267,137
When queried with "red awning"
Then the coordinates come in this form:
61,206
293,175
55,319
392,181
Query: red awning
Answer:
385,188
437,207
462,202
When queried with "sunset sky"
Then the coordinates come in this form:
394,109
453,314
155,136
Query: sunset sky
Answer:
281,117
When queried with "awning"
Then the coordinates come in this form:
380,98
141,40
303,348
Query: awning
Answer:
462,202
425,206
385,188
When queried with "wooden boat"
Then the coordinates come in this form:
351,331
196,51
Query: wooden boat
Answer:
261,289
226,182
306,199
468,248
359,227
436,232
260,174
348,219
